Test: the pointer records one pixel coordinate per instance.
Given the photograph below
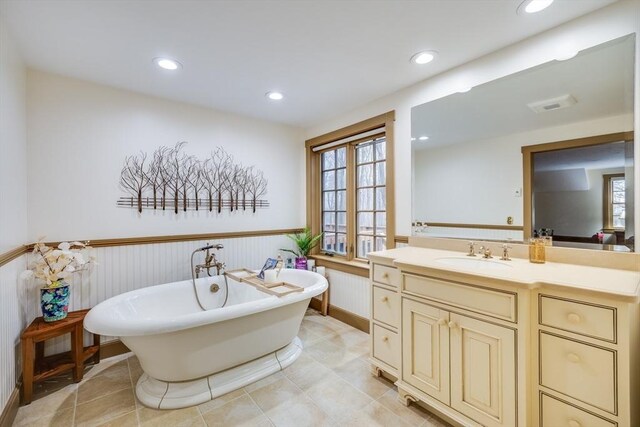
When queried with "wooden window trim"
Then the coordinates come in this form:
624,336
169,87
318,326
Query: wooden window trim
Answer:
527,166
607,214
314,171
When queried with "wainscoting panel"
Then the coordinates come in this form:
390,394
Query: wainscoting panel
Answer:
349,292
122,269
15,313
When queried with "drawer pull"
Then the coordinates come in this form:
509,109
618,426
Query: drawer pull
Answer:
573,318
574,423
384,299
453,325
573,358
385,275
385,338
442,322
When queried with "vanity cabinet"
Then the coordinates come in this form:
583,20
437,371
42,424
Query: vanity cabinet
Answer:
385,319
463,362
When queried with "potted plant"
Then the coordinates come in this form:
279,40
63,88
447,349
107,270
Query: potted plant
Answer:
53,267
305,241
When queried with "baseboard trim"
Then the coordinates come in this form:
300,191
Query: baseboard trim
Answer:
343,315
11,409
113,348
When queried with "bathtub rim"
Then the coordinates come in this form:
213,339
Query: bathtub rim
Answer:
123,327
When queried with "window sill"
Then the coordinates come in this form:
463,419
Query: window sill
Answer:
357,268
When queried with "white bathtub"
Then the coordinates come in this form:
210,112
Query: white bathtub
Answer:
190,356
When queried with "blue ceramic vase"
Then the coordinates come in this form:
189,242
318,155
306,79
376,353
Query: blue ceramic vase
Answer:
55,302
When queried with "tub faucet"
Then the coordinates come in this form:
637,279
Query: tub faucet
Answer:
210,260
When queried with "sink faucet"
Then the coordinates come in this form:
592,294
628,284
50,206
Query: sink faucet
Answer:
505,253
486,252
210,261
472,249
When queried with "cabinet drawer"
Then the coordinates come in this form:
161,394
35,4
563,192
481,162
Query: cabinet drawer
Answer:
579,370
480,300
556,413
386,275
386,306
386,346
590,320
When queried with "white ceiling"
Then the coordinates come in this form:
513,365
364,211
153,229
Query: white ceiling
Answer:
600,79
326,56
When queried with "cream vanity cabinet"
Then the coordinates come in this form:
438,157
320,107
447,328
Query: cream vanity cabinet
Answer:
459,347
587,372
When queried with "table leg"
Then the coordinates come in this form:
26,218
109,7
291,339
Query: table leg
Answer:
325,302
27,370
96,342
77,352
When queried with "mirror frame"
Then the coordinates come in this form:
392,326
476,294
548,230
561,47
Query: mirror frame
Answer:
527,166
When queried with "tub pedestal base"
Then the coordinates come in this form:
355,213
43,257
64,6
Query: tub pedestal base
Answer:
173,395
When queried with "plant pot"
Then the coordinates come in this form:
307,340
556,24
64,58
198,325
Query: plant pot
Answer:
54,302
301,263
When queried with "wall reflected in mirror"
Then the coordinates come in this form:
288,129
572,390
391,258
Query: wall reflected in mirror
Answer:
467,161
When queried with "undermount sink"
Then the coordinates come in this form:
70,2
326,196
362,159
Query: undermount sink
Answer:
474,263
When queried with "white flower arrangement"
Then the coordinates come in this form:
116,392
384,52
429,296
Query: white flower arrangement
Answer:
53,265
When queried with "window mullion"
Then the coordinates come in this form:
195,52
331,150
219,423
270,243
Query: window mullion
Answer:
351,201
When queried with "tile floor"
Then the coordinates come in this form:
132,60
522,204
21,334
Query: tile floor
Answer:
329,385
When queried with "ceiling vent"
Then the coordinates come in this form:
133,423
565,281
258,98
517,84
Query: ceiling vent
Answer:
552,104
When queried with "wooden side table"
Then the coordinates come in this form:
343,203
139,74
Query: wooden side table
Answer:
36,367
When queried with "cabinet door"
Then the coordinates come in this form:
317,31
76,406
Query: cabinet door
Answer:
483,371
425,345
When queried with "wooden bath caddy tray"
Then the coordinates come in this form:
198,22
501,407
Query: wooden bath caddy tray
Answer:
278,289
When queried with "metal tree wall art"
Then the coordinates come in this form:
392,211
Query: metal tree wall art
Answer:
172,179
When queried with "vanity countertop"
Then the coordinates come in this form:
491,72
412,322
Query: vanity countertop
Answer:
620,283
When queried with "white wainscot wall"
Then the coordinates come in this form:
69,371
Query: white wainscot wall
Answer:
15,314
349,292
122,269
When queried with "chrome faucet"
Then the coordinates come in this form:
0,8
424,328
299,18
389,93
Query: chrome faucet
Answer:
210,261
486,252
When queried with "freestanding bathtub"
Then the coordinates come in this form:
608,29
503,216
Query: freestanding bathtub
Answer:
190,356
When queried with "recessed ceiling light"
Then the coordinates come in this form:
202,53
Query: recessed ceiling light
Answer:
167,64
533,6
276,96
425,57
423,138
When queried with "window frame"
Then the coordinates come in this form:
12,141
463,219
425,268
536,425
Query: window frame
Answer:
384,122
607,202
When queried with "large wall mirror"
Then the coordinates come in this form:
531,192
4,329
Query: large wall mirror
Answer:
548,149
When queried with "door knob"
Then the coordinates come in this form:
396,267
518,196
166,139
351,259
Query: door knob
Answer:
573,318
453,324
574,423
385,299
442,322
385,339
385,275
573,358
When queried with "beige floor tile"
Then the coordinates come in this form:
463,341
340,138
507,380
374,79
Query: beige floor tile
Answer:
264,382
308,337
135,370
274,394
110,380
299,411
219,401
50,404
349,338
411,414
375,415
314,373
60,418
357,373
303,362
105,408
176,418
240,412
338,398
106,364
329,354
321,327
127,420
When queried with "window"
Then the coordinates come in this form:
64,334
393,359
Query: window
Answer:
614,199
350,191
